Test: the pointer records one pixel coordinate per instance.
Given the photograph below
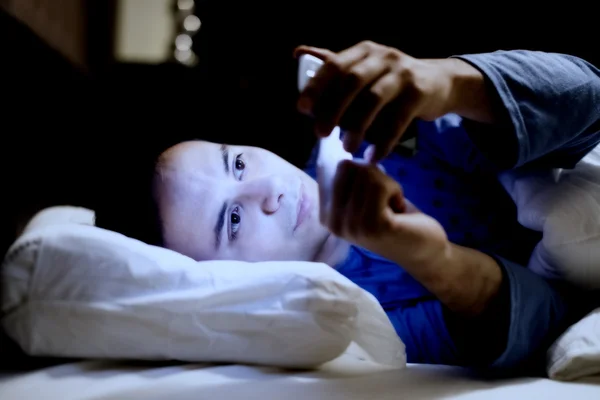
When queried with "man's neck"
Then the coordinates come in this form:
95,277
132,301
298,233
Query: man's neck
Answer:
333,251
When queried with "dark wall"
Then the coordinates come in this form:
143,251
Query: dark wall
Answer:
64,133
249,45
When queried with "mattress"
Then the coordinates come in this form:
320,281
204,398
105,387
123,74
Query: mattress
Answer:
344,378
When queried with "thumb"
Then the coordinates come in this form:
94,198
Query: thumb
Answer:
397,203
368,157
369,153
323,54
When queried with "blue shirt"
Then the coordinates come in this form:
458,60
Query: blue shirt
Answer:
552,119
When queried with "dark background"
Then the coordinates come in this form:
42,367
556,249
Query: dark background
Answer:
69,135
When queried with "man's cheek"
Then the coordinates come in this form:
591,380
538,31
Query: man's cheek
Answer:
263,246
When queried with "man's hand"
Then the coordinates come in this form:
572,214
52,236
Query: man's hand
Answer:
355,87
367,208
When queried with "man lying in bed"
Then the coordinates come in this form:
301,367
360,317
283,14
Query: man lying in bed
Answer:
448,266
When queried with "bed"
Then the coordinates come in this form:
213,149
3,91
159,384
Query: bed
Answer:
343,378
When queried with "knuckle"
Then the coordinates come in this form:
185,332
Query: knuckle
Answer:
355,77
392,55
372,97
407,75
377,92
385,86
368,44
416,90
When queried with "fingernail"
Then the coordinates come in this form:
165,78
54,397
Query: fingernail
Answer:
368,155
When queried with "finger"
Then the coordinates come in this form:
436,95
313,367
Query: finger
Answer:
409,207
342,191
318,52
327,88
313,88
389,136
369,152
356,221
373,186
324,81
395,197
366,107
330,153
357,71
391,193
397,203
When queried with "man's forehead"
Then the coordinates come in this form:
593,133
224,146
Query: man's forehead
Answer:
194,185
190,214
198,156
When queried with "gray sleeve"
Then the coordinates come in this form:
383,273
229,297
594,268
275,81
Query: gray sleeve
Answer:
551,105
512,335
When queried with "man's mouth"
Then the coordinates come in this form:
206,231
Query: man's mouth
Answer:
303,208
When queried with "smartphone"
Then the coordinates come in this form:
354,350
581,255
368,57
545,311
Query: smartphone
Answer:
308,65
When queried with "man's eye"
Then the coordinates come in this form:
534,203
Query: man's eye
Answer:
239,167
235,220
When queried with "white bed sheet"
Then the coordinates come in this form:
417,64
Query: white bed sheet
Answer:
343,378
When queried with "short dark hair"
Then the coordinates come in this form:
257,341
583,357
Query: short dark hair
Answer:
125,200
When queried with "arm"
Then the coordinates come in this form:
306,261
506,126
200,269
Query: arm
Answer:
362,207
519,325
544,107
466,281
510,335
484,310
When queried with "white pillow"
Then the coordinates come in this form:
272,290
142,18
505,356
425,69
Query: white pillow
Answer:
80,291
576,354
565,206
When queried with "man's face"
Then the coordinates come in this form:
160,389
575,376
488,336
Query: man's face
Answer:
236,203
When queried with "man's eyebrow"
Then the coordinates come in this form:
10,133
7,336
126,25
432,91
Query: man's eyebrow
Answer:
219,225
225,154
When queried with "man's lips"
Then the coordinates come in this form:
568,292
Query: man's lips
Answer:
303,208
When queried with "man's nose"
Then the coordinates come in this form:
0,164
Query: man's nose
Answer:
268,192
